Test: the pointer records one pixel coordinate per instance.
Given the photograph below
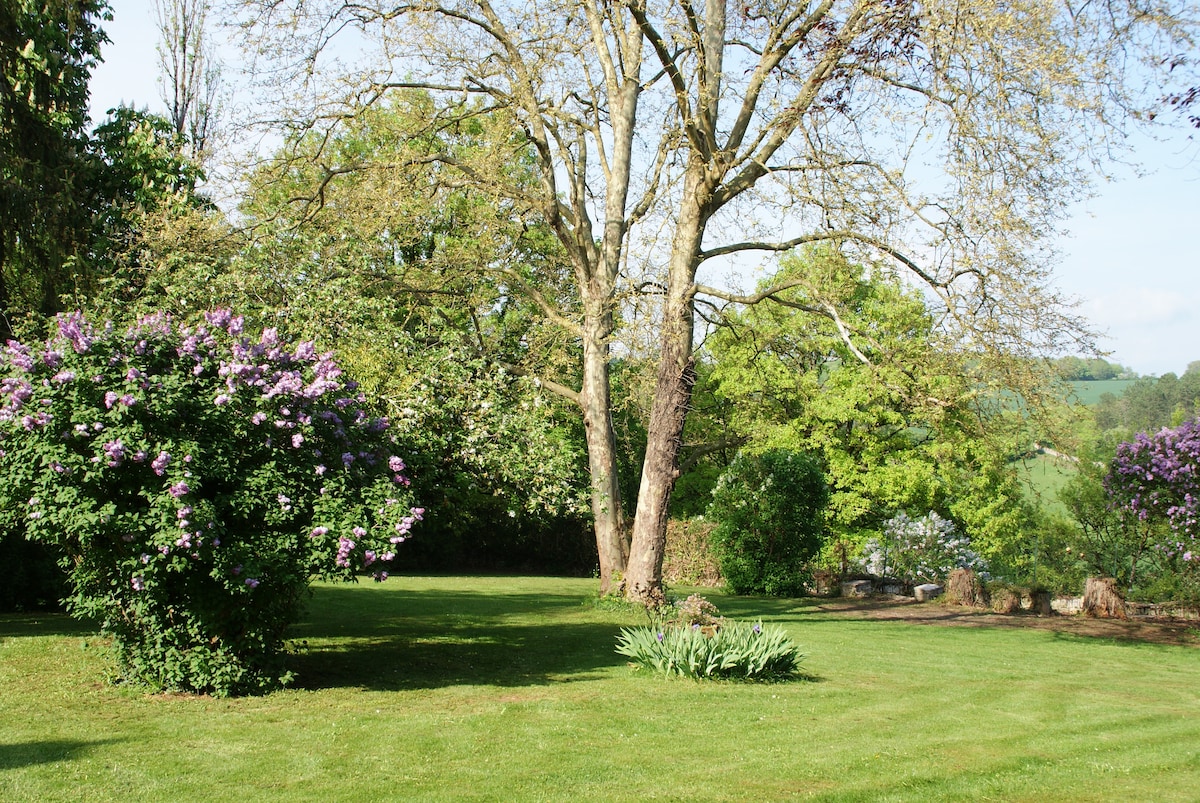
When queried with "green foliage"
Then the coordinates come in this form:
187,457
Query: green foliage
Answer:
769,509
924,549
736,651
901,419
1095,369
139,180
1150,404
697,642
47,54
414,287
193,480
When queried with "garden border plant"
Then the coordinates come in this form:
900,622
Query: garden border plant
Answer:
691,639
194,480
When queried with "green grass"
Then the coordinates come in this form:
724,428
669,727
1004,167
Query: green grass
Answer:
1089,392
508,689
1044,477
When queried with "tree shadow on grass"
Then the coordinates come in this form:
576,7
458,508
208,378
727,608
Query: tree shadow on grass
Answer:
27,754
19,625
403,640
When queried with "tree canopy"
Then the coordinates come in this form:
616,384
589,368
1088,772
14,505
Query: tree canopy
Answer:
945,138
47,54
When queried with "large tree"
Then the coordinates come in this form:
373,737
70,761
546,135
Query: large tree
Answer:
191,73
946,137
850,365
47,53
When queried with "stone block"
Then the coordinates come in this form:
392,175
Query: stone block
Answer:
856,588
927,591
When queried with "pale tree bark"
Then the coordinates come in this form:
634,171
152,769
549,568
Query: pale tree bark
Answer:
670,135
190,75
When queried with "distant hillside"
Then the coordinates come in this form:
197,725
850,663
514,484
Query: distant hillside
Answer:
1089,391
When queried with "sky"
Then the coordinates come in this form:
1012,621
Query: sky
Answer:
1131,257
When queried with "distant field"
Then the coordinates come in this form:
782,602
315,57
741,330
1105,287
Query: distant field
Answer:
1044,476
1089,392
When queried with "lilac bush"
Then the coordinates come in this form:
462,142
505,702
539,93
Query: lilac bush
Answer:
1157,477
924,549
195,479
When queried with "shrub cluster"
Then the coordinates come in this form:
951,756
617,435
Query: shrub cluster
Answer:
194,479
924,549
698,643
1158,477
769,510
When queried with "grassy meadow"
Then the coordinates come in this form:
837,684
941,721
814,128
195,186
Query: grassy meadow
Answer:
1089,392
470,688
1044,477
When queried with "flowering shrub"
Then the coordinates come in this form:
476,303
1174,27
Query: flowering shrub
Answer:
195,479
1157,478
925,549
697,642
769,510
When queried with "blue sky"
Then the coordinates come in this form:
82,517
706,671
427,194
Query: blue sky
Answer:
1132,256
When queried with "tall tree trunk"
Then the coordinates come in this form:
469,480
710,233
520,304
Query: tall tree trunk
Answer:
612,545
672,395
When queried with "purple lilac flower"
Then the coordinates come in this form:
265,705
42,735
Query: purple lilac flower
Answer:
19,355
138,582
179,489
159,464
345,545
252,582
75,329
110,399
115,451
317,532
258,418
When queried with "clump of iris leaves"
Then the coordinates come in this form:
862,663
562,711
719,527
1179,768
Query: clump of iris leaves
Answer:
691,639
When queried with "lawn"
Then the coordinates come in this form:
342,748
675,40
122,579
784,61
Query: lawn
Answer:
468,688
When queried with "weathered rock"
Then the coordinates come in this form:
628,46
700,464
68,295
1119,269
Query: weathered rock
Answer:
1066,605
856,588
927,591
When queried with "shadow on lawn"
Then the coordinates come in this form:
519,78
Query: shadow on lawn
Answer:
399,640
23,625
27,754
